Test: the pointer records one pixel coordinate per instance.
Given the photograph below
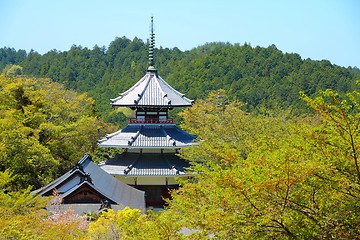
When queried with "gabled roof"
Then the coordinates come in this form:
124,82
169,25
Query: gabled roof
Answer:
86,172
148,136
149,164
151,91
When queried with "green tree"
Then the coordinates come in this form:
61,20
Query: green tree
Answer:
44,129
132,224
337,142
12,70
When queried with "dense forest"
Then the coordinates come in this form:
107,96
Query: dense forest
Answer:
286,167
264,78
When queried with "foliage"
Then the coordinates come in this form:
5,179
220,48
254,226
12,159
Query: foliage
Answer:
44,129
271,176
337,140
18,211
131,224
12,70
103,154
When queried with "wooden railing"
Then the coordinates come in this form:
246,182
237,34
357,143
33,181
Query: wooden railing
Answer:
151,121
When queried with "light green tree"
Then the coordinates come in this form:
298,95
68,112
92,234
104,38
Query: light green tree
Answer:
132,224
44,129
12,70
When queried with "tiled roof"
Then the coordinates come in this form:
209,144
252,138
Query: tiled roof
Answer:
149,164
151,91
86,172
148,136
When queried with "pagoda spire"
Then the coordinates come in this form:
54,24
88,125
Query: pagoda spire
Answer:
151,46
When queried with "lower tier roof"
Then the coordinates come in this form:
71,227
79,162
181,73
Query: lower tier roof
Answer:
145,164
148,136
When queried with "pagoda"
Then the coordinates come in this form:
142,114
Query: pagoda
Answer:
151,140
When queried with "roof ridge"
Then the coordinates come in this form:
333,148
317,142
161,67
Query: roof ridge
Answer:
172,166
133,138
131,166
143,91
85,158
162,91
130,89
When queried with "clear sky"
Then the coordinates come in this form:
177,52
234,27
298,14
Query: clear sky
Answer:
316,29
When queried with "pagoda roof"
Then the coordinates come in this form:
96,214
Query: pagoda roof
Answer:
148,136
151,91
149,164
85,172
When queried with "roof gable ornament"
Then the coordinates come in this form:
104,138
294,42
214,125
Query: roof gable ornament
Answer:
151,46
86,178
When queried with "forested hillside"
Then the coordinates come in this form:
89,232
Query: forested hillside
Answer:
260,77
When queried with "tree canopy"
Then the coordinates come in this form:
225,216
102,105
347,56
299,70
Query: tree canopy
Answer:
44,129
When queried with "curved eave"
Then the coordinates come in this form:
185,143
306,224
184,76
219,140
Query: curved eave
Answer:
151,106
141,136
155,173
48,189
146,165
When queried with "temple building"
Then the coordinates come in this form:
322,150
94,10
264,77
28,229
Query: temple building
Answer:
151,140
88,188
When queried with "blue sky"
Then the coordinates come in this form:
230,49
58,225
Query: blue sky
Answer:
316,29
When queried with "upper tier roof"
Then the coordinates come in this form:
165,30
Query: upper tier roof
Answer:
151,91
